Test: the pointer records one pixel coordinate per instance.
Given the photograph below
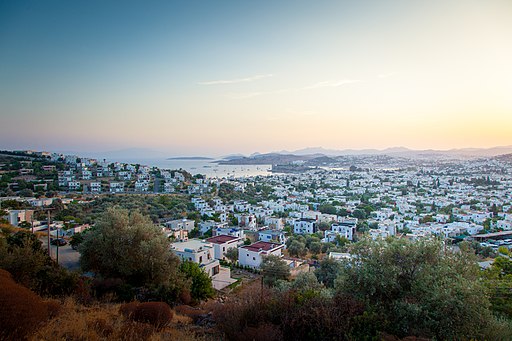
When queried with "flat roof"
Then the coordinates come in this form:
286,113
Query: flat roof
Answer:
494,234
221,239
262,246
191,244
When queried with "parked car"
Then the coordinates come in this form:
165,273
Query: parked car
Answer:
59,242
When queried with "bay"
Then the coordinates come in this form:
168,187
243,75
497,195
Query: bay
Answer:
204,167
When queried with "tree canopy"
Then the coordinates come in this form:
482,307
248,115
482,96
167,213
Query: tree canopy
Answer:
273,269
201,286
414,286
128,246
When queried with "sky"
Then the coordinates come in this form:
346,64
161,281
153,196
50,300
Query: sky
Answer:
220,77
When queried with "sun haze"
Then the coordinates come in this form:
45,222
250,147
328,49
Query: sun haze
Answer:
231,76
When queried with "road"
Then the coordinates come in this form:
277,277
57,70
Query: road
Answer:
156,185
68,258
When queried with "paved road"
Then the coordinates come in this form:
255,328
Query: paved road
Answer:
68,257
156,185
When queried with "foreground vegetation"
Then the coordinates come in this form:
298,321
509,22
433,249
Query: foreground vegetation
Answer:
390,289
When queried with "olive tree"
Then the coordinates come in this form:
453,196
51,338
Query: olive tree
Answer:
418,288
130,247
273,269
232,254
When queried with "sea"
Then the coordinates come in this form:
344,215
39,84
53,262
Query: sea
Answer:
205,167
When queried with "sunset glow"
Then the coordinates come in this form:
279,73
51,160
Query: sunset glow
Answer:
237,77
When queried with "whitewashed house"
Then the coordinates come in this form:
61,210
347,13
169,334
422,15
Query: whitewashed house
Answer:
252,255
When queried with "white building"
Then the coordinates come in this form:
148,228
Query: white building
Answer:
252,255
86,175
95,187
274,223
222,243
200,252
183,224
116,187
304,226
229,231
272,236
345,230
74,185
142,185
15,217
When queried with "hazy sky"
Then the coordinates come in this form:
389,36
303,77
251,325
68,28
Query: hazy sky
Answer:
217,77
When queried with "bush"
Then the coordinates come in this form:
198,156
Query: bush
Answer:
21,310
116,288
23,256
157,314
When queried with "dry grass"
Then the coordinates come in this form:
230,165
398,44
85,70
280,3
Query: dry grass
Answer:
158,314
105,322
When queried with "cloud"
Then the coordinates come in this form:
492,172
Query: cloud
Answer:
336,83
237,80
323,84
243,95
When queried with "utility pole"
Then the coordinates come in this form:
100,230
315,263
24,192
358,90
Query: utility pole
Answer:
49,245
57,245
261,293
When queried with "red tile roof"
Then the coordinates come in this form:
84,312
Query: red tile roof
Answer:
263,246
221,239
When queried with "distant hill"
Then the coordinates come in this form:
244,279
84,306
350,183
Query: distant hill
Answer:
267,159
461,153
233,157
504,157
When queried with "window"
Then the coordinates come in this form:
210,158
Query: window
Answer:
200,259
253,258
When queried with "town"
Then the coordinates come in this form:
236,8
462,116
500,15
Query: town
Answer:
329,207
302,232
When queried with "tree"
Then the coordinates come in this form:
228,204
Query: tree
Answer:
306,281
503,250
129,247
327,272
414,286
359,214
23,256
194,233
341,241
327,246
273,269
297,249
323,226
26,193
76,240
57,205
201,287
342,212
315,247
232,254
327,209
498,278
